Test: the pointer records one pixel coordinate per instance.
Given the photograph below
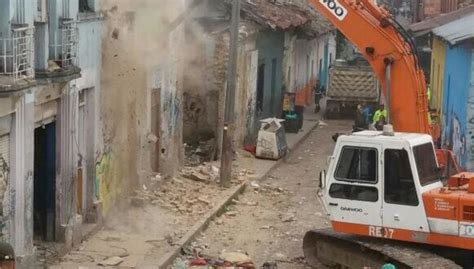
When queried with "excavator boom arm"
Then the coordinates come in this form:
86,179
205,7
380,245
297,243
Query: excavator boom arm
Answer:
377,36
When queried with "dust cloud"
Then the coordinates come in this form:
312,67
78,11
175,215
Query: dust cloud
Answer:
136,39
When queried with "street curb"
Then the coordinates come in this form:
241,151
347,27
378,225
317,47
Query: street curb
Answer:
167,260
201,225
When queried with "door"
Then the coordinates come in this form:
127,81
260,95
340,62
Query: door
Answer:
354,193
45,182
402,204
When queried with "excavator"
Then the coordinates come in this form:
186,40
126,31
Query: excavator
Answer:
392,184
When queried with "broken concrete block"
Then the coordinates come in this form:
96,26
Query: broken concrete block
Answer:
197,176
235,257
112,261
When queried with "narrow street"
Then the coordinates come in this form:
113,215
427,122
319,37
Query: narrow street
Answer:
269,220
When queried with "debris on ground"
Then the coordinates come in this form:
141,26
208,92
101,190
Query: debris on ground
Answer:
268,189
244,202
288,218
191,192
242,175
203,173
235,257
194,259
200,152
112,261
231,214
280,257
270,265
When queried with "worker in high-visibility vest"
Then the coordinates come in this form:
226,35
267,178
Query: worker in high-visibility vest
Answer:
381,112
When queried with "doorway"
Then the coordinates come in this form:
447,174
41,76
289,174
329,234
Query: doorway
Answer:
45,182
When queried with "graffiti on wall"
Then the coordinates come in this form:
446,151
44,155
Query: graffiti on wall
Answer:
171,106
4,171
106,185
470,132
194,109
455,139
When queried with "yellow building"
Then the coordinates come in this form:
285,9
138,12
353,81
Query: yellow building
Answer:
437,73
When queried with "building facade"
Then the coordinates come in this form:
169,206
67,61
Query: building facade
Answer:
280,51
47,114
451,79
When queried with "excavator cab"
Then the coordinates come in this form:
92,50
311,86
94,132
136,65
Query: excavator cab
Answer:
376,180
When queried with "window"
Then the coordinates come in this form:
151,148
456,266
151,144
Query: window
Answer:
85,6
357,164
426,164
399,185
354,192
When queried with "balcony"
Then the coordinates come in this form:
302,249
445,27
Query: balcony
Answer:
62,63
17,60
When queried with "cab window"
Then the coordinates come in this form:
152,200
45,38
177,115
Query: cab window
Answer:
354,192
399,184
357,164
426,164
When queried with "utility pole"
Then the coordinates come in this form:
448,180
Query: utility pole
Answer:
228,132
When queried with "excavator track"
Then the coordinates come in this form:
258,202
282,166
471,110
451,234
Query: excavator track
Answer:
349,251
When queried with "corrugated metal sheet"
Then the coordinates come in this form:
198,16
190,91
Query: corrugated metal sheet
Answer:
427,25
457,30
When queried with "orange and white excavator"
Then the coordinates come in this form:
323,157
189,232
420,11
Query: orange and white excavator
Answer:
391,184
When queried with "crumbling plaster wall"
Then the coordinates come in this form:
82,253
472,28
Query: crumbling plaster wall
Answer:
136,41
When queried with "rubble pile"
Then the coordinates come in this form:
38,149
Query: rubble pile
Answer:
203,151
268,189
203,173
191,192
194,259
242,175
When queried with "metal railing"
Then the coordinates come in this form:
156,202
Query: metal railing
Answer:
17,54
64,49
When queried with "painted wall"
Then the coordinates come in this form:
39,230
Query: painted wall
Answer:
455,98
438,57
306,71
245,104
270,46
308,61
470,117
90,62
327,54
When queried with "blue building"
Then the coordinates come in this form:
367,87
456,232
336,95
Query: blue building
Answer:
50,55
458,93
